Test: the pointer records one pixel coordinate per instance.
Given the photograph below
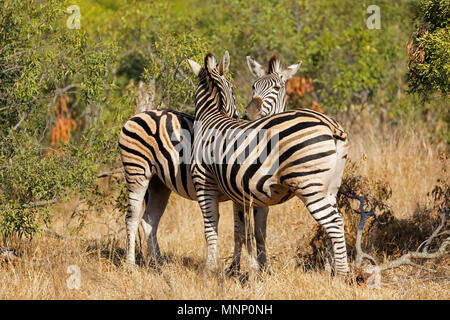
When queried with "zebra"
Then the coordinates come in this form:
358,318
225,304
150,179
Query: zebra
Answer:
269,97
305,155
152,150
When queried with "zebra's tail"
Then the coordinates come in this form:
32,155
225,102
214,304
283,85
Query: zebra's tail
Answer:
341,143
339,134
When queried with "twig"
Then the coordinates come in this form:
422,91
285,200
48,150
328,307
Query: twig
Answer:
360,254
22,119
436,232
41,203
54,200
110,173
60,236
406,258
75,210
8,254
173,83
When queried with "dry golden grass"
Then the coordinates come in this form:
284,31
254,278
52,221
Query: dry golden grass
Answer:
410,165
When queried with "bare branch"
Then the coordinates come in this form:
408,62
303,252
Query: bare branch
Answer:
360,254
406,258
60,236
110,173
436,232
8,254
42,203
145,96
22,119
373,275
174,79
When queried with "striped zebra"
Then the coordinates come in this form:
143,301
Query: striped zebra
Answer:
264,162
154,148
269,97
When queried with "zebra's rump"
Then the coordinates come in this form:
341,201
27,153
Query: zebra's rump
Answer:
336,129
158,142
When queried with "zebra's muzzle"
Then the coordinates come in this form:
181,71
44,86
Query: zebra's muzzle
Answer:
253,109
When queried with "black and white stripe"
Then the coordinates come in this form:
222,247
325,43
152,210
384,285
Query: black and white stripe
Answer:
299,153
155,152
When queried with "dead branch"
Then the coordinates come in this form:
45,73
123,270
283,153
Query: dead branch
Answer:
60,236
174,80
25,115
43,203
436,232
75,210
8,254
109,173
373,272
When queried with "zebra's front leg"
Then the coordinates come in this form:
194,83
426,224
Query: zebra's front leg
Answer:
210,210
137,186
158,196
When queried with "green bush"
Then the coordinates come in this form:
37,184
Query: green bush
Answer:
96,69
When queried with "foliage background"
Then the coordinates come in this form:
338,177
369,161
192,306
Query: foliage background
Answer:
396,76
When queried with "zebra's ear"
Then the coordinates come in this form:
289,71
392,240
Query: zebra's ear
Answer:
255,68
224,64
290,71
210,62
196,68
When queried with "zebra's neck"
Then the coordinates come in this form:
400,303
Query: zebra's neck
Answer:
210,98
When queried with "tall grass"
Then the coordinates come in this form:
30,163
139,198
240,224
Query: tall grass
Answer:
407,161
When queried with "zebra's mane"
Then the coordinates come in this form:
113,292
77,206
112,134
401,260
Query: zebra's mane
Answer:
211,78
275,64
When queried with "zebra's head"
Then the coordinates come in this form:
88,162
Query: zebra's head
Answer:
213,76
269,90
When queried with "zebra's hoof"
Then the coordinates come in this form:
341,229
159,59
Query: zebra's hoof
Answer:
232,271
265,270
130,261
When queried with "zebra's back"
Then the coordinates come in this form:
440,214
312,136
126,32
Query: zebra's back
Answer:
260,159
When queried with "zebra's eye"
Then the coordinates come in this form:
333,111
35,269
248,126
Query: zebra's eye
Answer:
277,88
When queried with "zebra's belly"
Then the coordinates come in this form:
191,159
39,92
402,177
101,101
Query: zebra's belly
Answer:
276,194
268,195
180,181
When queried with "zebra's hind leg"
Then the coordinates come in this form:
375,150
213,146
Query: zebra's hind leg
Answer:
260,217
239,230
209,206
137,187
322,207
158,195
